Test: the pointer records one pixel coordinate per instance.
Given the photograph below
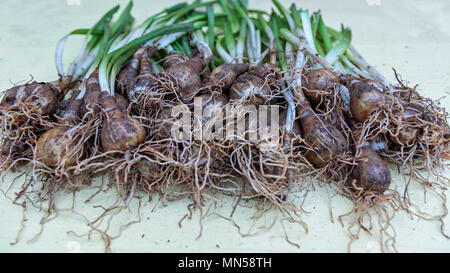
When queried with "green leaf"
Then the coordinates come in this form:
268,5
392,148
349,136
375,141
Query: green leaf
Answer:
296,16
323,32
341,47
211,17
278,43
229,39
234,24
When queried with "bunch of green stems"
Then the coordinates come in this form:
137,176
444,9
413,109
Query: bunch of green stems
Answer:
225,29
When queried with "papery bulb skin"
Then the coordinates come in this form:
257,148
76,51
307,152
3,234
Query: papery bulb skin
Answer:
364,100
371,174
319,84
55,146
327,142
119,132
250,89
224,75
186,76
41,98
269,72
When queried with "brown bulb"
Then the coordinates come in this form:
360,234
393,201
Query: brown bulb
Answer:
119,132
186,76
326,141
205,76
319,84
405,133
61,107
142,83
164,123
131,70
91,102
91,97
250,89
210,101
164,120
406,94
122,81
9,151
224,75
213,111
404,136
69,114
147,80
39,97
173,58
364,99
371,173
55,145
122,102
268,72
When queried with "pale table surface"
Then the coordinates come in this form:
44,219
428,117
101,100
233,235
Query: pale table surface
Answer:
411,35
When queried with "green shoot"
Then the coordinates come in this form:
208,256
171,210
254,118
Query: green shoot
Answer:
341,47
185,45
125,20
323,32
241,41
285,14
267,30
92,37
243,14
229,39
222,52
234,24
175,8
296,17
307,30
279,45
211,17
116,58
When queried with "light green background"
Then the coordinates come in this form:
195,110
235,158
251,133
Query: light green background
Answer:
412,36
